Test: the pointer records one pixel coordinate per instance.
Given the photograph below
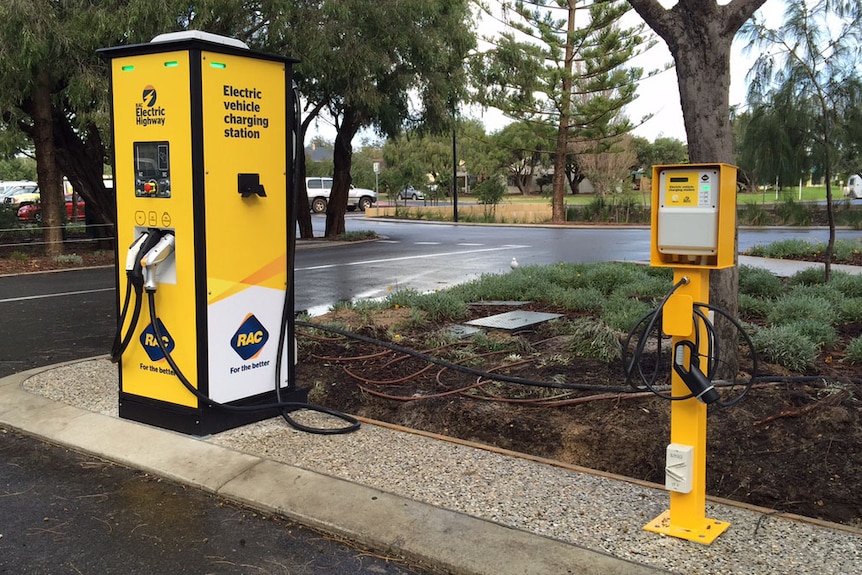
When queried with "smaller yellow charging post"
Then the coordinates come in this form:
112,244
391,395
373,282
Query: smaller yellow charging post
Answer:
693,231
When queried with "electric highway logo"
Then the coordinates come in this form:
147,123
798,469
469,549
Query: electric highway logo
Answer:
146,111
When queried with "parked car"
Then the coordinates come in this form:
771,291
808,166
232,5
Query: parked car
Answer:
32,213
318,195
853,189
22,195
7,187
411,193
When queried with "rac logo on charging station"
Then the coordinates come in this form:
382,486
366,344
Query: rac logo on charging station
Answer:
249,339
151,344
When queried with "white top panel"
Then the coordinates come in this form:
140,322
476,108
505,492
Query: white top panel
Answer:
199,35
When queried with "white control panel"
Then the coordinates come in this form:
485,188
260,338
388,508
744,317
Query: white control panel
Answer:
688,211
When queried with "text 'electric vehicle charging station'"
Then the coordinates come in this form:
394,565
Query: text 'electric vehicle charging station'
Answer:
693,232
203,174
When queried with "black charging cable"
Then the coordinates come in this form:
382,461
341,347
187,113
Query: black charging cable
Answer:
352,423
699,381
134,280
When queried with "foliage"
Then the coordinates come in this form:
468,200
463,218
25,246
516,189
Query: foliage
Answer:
594,339
785,346
570,72
794,306
853,353
758,282
802,81
525,149
663,150
489,193
18,168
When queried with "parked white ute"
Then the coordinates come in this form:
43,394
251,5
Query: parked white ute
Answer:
318,195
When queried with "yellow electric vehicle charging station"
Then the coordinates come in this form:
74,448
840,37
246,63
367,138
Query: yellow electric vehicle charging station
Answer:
203,132
693,231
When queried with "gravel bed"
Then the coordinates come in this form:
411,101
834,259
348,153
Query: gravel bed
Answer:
586,509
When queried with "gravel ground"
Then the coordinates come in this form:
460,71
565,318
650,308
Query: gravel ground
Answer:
588,509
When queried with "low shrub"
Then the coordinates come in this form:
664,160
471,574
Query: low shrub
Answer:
785,346
594,339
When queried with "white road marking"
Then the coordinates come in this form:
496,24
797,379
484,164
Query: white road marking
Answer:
63,294
406,258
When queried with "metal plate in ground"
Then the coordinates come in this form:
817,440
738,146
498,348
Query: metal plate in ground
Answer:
462,331
513,319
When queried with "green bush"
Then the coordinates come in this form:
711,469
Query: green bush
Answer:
578,299
853,353
822,334
792,248
754,214
826,292
850,309
794,307
785,346
753,308
848,284
759,282
595,340
622,313
810,276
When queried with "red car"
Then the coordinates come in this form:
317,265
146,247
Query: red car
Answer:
30,213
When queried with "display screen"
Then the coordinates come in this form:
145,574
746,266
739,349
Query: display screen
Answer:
152,170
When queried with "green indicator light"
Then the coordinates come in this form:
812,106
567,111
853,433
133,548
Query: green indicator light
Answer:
127,68
218,65
172,64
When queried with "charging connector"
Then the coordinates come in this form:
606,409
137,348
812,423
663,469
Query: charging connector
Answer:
151,260
696,381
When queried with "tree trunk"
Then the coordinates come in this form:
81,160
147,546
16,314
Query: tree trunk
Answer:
699,34
342,156
558,204
81,157
303,215
50,179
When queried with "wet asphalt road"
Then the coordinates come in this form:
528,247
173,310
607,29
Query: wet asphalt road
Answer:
65,513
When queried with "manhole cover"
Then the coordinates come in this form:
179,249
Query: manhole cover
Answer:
513,319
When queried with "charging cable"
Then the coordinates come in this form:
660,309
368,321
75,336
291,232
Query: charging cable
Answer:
134,280
686,358
150,262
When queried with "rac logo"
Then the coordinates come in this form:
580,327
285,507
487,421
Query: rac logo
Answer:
249,339
151,344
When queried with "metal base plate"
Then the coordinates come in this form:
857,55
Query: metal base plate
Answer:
706,533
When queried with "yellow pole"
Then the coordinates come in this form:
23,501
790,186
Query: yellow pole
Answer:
686,517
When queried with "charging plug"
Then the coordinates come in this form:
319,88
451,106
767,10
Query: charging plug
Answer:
151,260
696,381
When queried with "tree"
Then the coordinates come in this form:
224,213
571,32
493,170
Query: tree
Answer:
400,64
417,158
568,71
813,59
662,151
55,91
699,35
525,147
